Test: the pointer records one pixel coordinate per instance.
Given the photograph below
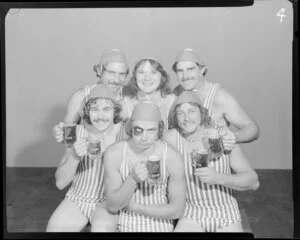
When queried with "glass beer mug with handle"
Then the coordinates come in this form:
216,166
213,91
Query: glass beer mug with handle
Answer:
94,147
69,134
200,158
214,141
153,165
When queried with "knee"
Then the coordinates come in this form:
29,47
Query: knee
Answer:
102,226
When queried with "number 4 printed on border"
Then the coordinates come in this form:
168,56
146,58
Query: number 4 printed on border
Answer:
281,14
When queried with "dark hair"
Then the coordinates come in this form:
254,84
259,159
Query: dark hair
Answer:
128,128
86,110
174,67
164,83
173,121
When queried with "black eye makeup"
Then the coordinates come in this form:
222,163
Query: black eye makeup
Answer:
137,131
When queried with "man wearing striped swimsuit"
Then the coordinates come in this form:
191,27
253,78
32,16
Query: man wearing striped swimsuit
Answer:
142,205
223,107
210,203
112,71
85,173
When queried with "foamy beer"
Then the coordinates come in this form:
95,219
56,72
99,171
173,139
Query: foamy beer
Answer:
215,142
94,147
69,134
200,158
153,167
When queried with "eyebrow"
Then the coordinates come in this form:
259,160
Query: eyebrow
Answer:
144,128
112,71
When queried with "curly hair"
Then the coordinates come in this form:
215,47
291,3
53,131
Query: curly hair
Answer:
128,128
87,106
164,86
205,118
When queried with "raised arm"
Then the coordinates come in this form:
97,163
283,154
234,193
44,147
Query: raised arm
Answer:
118,193
247,128
74,106
176,191
66,170
243,178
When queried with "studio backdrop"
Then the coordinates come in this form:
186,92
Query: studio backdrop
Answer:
51,52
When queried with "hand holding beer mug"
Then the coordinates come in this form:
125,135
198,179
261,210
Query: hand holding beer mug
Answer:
200,158
69,134
94,147
58,132
215,142
153,167
80,147
229,140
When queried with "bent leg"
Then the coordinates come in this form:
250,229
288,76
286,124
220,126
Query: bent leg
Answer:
67,217
234,227
102,220
188,225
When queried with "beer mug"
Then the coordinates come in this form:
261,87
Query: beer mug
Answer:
94,147
69,134
200,158
153,167
215,143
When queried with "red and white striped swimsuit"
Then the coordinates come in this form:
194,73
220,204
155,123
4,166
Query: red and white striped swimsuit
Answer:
87,185
147,195
212,206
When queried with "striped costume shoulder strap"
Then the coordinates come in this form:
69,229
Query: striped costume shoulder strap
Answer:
208,103
87,92
128,106
123,166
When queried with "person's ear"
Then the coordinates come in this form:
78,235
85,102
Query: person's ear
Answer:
203,70
98,69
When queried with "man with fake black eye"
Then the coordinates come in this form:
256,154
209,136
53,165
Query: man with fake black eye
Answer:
144,176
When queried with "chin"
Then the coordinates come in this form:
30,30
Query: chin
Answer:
101,128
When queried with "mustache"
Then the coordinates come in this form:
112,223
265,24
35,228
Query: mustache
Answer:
100,120
187,78
116,83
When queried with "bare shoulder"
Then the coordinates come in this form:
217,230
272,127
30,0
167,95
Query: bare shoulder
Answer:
223,97
170,136
113,155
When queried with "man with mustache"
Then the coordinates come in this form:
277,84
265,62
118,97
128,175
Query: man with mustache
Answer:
112,71
223,107
147,201
82,166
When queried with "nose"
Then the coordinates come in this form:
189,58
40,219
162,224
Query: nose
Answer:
144,136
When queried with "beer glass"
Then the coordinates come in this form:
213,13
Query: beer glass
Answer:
153,167
200,158
94,147
215,143
69,134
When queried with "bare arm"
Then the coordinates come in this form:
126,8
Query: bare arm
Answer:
176,191
247,128
66,170
118,194
243,178
74,106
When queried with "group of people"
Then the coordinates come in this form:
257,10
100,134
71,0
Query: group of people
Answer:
144,178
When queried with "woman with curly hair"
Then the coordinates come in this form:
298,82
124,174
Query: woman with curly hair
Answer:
149,81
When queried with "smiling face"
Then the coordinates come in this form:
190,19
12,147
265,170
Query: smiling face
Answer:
148,78
188,75
114,75
144,133
101,113
188,117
